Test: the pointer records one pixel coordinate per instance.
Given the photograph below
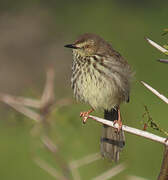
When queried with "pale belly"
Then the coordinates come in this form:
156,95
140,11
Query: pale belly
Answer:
98,91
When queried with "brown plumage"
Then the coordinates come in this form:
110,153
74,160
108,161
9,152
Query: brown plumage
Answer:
101,78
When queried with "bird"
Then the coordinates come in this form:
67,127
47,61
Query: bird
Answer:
101,77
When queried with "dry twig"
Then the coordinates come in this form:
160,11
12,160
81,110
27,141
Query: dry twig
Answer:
135,178
164,169
81,162
157,46
161,96
112,172
134,131
163,60
48,168
9,99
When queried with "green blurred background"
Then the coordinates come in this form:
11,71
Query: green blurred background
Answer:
32,36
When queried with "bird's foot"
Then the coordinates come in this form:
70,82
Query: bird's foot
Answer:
85,115
119,125
119,122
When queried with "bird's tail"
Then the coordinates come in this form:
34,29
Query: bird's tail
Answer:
112,141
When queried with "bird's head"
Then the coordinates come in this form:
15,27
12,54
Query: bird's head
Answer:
89,44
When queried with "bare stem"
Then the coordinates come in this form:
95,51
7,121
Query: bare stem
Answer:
112,172
49,169
157,46
86,160
164,169
154,91
134,131
27,112
9,99
130,177
163,60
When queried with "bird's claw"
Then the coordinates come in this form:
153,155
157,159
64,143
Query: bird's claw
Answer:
85,116
119,125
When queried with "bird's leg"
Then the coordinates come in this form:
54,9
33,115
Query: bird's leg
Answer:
85,115
118,121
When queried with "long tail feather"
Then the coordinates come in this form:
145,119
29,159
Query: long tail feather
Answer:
112,141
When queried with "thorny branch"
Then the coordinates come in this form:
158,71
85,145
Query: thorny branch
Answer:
154,91
157,46
164,169
163,49
132,130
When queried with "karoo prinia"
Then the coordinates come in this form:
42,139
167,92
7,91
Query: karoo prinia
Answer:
101,77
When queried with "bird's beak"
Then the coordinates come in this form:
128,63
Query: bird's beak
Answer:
71,46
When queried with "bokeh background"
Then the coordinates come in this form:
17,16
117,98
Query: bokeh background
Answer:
32,36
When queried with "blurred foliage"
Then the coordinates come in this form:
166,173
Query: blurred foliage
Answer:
122,23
